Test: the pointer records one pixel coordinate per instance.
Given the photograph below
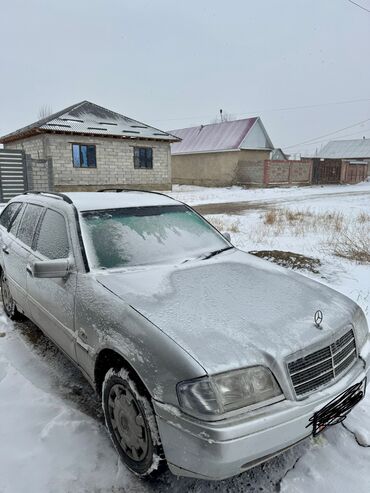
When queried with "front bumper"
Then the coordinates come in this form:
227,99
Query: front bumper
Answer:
221,449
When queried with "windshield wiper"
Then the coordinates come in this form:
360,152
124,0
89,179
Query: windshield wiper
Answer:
208,255
216,252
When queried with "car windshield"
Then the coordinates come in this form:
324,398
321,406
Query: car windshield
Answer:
147,235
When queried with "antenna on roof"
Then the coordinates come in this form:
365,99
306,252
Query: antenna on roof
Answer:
221,118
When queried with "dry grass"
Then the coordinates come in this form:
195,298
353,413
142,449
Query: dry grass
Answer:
342,235
299,223
289,259
335,233
271,217
223,224
352,245
363,218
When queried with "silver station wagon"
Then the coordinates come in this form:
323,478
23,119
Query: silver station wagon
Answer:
208,360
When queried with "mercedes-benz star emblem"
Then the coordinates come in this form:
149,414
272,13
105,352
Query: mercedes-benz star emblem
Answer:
318,318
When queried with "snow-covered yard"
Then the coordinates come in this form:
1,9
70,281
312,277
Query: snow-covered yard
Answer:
52,438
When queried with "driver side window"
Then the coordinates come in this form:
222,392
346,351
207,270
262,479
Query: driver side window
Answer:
52,238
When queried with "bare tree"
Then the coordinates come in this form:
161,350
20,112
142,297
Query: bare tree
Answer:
223,116
45,110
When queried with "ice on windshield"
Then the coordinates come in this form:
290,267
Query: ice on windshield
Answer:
147,235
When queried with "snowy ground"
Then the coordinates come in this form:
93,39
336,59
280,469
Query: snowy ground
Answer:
52,438
194,195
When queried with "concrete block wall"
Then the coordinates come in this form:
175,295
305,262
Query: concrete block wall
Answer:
38,166
301,172
114,164
35,146
274,173
212,169
251,172
114,159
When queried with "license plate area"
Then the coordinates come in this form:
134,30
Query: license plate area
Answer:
337,410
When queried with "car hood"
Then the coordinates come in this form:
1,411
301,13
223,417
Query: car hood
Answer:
233,310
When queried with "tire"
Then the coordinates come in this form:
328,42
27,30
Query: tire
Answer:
9,305
132,426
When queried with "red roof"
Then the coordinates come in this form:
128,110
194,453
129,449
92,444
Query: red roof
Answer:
214,137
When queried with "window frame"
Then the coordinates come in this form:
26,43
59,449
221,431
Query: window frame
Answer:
37,232
79,144
20,214
26,204
15,213
136,153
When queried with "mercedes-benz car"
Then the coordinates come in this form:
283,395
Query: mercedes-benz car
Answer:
208,360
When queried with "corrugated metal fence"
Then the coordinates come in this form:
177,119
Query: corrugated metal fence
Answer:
13,176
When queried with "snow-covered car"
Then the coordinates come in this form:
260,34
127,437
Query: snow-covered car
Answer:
208,359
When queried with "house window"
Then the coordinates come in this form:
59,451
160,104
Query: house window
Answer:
84,156
143,157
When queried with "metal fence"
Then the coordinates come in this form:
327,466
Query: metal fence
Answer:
13,176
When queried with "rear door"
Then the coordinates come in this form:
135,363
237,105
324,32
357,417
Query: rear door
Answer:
52,301
6,218
17,250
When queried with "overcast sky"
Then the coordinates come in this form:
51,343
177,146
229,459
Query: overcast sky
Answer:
174,64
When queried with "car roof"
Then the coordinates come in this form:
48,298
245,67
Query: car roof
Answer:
86,201
92,201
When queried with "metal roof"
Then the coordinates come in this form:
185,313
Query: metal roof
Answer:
278,154
213,137
89,118
346,149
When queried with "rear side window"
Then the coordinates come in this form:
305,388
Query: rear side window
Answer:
52,240
8,214
29,222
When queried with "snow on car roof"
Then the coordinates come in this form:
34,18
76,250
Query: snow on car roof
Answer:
90,201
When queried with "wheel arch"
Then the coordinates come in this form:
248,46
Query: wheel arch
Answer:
109,358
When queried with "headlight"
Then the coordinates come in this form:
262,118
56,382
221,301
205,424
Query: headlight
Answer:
360,326
219,394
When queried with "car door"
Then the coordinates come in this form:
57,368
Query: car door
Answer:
16,252
52,300
6,218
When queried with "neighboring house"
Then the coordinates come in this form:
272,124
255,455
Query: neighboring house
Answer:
87,147
278,155
210,155
357,149
342,161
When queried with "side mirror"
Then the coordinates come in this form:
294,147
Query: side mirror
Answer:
227,236
50,268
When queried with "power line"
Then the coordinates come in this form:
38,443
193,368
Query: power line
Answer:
313,140
267,110
358,5
362,131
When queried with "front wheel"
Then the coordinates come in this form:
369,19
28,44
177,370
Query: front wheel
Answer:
130,419
10,308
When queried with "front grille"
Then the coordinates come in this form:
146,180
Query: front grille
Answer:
320,367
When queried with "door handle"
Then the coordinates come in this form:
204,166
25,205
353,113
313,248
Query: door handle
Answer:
29,270
82,335
5,249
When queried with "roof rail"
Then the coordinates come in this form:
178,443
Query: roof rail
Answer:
55,195
118,190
